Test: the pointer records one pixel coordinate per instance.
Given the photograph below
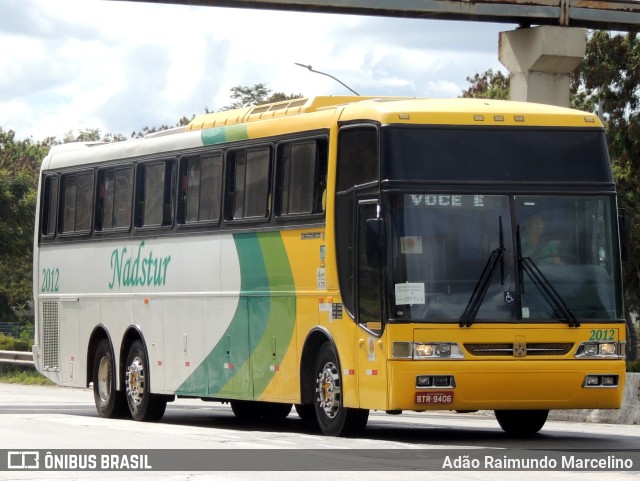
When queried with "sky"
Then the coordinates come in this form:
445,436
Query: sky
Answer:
119,66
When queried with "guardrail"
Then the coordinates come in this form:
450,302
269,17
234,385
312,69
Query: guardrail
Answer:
16,358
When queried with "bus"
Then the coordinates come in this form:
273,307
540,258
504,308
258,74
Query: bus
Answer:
339,255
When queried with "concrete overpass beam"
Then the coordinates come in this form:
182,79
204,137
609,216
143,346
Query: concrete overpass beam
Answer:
540,60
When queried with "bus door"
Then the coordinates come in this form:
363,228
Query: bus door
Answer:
372,366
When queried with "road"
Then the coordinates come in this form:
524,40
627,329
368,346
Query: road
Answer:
56,418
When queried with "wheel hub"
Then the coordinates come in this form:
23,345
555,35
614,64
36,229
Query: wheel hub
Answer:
328,390
135,380
104,378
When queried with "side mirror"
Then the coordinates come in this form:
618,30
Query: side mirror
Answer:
376,243
624,227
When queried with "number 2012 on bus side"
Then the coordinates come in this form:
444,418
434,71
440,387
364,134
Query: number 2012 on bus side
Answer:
50,280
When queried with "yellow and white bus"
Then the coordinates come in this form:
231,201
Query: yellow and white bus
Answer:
339,254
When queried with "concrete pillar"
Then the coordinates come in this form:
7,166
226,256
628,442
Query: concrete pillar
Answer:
540,60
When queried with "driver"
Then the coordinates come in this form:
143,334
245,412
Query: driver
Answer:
535,246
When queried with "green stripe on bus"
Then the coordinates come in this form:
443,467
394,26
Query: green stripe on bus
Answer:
220,135
260,323
278,331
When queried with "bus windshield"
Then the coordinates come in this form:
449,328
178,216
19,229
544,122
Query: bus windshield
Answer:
511,257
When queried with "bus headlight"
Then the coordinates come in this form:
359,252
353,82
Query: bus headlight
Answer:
426,350
600,350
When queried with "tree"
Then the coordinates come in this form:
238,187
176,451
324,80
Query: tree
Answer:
246,96
19,168
489,85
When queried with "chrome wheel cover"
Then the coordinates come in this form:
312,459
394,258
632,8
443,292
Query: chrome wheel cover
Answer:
328,390
134,382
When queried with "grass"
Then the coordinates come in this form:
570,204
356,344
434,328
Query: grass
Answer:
22,375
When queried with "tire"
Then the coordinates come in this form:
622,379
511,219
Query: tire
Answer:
307,412
253,410
110,403
275,411
522,423
333,418
143,405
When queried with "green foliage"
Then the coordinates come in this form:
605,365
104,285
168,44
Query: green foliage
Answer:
22,375
488,85
8,343
91,135
246,96
19,167
633,366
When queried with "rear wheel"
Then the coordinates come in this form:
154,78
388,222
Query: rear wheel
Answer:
333,418
522,423
260,409
110,403
143,405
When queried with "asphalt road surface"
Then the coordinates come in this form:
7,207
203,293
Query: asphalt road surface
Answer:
63,420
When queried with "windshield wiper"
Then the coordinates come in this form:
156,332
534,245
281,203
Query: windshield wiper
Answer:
544,285
482,286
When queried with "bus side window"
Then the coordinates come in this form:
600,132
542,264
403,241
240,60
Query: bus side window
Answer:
115,189
248,183
302,178
200,188
49,206
153,194
77,202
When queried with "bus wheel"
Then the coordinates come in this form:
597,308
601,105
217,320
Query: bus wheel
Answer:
307,412
246,409
260,409
110,403
333,418
275,410
143,405
522,423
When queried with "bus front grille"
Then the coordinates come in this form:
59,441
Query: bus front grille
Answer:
50,336
531,349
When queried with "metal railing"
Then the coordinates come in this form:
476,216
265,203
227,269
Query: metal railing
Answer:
16,358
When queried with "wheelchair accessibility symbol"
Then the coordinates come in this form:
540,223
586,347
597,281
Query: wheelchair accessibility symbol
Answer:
509,297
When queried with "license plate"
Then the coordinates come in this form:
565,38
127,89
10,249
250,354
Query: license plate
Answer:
437,397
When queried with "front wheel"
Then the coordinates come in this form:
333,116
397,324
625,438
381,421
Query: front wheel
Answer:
110,403
333,418
522,423
143,405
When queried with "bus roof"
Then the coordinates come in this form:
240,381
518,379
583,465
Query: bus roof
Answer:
285,117
388,110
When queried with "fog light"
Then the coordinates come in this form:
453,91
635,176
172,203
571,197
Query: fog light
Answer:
423,381
609,380
592,381
441,381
